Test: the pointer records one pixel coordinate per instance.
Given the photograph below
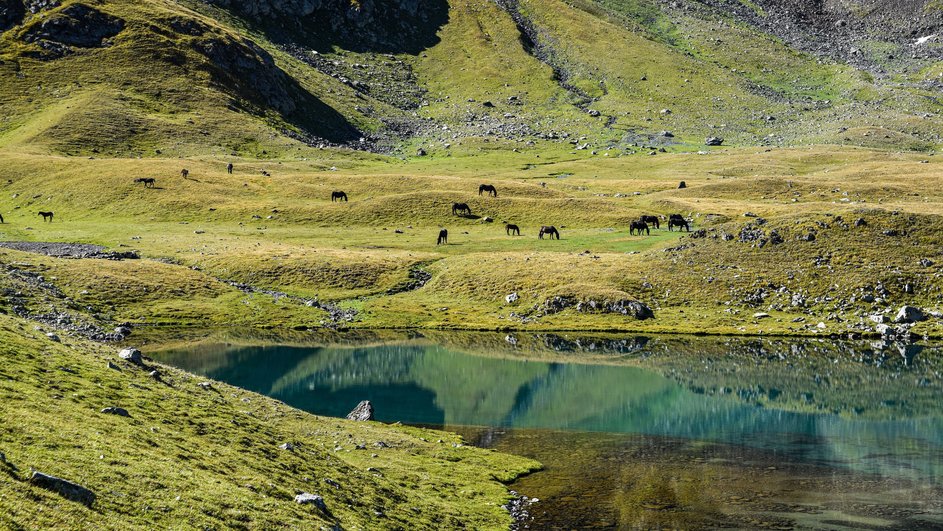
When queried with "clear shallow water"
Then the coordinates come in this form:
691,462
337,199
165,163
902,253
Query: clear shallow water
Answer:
639,432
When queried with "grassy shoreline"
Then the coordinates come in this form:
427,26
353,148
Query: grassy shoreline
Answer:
210,455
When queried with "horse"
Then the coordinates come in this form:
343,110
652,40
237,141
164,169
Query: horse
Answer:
338,196
148,182
675,220
1,219
509,228
229,168
46,216
651,220
551,231
492,191
185,173
443,237
638,227
461,208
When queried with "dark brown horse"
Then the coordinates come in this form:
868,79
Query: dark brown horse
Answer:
492,191
443,237
148,182
461,209
638,227
509,228
1,218
229,168
677,220
338,196
47,216
185,173
651,220
551,231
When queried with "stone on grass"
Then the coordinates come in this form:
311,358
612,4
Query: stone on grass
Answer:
306,498
114,410
66,489
363,412
909,314
512,298
131,354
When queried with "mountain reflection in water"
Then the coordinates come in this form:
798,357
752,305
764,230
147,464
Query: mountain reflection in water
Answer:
869,407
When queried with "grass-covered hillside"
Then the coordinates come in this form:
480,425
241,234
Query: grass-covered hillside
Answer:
196,455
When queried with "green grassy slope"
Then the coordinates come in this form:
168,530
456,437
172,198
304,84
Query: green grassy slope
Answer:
195,457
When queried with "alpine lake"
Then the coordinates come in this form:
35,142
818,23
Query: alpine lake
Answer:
639,432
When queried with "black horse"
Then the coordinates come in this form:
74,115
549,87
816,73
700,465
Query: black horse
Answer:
461,209
148,182
338,196
47,216
638,227
551,231
676,220
492,191
185,173
651,220
1,219
509,228
443,237
229,168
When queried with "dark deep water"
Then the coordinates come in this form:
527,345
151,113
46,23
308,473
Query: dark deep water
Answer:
643,433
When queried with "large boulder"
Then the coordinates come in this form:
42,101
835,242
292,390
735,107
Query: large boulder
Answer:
131,354
66,489
714,141
909,314
306,498
363,412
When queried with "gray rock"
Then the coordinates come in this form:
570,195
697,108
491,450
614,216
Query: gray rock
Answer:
761,315
879,319
714,141
512,298
67,489
363,412
131,354
306,498
113,366
287,446
113,410
909,314
53,337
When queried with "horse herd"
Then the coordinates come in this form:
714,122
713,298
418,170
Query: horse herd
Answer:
644,223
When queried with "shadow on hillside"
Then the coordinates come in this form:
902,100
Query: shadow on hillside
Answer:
379,26
244,68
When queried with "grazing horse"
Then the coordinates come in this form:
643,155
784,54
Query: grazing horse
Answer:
638,227
509,228
229,168
651,220
676,220
551,231
46,216
492,191
185,173
1,218
443,237
461,208
148,182
338,196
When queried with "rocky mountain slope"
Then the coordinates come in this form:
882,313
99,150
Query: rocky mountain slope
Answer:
280,76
